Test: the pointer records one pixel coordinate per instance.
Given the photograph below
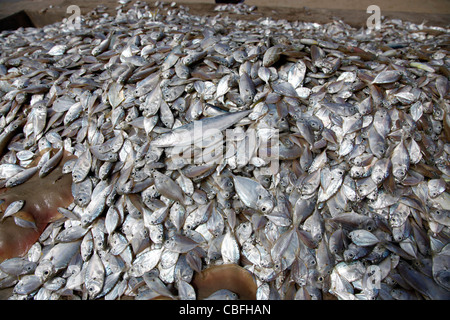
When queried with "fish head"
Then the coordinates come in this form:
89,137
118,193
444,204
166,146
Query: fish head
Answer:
282,124
44,270
82,200
85,221
227,195
379,150
378,176
265,205
315,123
433,193
29,266
227,186
94,287
356,172
399,172
307,188
265,180
350,254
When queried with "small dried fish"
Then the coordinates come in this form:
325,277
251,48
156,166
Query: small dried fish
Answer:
212,158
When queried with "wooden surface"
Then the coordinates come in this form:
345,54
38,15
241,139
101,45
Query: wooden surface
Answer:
353,12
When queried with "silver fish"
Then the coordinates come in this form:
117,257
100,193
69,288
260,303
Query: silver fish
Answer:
27,284
17,266
230,249
21,177
387,76
183,135
400,161
94,276
13,208
363,237
253,194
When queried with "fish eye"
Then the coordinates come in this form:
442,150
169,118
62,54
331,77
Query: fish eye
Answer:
230,184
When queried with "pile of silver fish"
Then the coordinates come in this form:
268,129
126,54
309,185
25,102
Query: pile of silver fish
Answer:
239,8
321,166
